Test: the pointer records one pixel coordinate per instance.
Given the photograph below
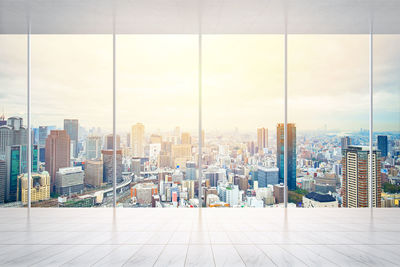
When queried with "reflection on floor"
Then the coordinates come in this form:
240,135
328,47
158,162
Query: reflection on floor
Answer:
199,237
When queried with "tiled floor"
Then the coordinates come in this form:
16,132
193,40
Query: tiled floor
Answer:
199,237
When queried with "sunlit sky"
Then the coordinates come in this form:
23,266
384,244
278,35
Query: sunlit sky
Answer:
157,81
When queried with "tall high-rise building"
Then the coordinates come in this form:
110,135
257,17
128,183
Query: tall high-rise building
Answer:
94,172
181,154
108,165
72,128
262,139
345,142
93,147
190,171
215,175
383,145
14,133
186,139
42,135
58,151
16,160
3,180
128,140
137,136
177,131
291,157
110,142
35,136
356,177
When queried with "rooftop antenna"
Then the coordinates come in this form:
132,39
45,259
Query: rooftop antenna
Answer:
2,117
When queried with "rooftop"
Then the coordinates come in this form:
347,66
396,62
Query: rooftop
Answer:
320,197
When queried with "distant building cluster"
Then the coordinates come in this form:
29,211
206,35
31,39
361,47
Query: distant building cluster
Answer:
74,167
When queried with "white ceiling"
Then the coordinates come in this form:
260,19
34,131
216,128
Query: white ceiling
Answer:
217,16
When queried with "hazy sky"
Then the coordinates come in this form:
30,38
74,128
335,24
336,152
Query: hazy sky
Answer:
157,79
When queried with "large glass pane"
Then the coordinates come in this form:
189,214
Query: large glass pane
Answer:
243,109
328,112
387,116
13,118
72,110
157,119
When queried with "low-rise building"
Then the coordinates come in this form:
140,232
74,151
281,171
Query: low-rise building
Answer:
316,200
40,187
69,180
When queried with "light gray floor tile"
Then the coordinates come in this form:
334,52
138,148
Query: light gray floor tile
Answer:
172,255
118,256
280,256
180,238
83,237
253,256
307,256
68,253
37,256
219,238
159,238
91,256
226,255
199,238
334,256
372,257
146,256
199,255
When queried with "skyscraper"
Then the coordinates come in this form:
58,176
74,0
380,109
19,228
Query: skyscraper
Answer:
291,157
181,154
110,142
14,133
190,171
16,160
383,145
137,143
128,140
72,126
356,177
35,136
203,138
3,180
94,172
108,165
186,139
262,139
42,135
58,151
93,147
345,142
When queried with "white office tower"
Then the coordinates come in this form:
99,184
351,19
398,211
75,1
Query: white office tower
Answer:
232,195
93,147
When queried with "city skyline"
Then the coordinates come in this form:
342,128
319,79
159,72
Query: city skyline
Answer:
229,90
